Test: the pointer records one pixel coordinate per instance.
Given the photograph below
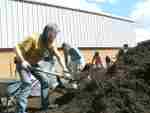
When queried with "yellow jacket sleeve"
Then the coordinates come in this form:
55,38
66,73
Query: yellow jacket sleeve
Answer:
27,44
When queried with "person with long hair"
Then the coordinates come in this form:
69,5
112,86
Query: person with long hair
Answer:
30,53
96,60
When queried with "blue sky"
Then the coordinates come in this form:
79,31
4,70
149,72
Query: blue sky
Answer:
115,7
138,10
121,8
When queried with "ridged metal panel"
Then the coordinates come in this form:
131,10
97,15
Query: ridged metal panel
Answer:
107,31
19,19
1,39
114,33
3,21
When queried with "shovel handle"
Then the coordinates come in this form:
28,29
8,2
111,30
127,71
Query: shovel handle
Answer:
51,73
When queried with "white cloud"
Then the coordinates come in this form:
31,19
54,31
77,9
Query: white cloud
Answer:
96,1
113,1
89,6
141,15
103,1
142,34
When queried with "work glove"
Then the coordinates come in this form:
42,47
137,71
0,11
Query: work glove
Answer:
65,70
26,64
67,74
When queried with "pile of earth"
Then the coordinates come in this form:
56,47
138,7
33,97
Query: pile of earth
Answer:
123,88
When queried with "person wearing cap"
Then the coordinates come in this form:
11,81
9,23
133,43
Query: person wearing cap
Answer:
122,52
73,58
124,49
32,52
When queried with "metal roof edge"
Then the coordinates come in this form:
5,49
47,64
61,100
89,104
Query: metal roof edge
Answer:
79,10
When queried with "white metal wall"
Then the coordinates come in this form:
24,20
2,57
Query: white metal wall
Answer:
18,20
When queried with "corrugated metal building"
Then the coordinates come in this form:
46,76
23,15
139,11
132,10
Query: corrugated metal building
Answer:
87,30
80,28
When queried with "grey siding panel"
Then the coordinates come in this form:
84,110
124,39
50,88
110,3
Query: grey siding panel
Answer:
117,33
40,19
20,19
2,21
10,32
26,17
0,27
4,24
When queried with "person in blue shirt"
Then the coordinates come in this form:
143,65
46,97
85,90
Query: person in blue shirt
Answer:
73,58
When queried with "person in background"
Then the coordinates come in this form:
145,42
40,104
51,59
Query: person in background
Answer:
122,54
123,50
73,58
108,62
96,60
29,55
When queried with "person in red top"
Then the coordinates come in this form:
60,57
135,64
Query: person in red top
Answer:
96,60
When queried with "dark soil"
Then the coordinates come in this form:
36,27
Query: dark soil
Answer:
123,88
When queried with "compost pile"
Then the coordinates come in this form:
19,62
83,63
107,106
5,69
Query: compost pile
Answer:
124,88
